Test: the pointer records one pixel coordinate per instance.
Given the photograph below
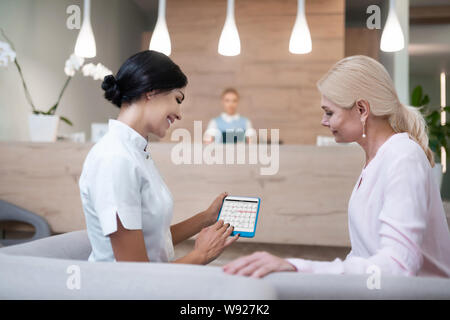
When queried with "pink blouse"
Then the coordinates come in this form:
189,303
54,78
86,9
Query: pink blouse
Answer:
396,218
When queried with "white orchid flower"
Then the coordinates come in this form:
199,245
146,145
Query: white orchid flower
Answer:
88,69
73,64
3,61
6,53
98,72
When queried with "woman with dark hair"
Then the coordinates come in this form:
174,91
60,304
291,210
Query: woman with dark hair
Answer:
127,205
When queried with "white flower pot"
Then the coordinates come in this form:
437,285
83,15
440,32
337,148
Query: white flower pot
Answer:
437,174
43,128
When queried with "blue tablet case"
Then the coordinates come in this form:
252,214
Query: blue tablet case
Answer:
245,234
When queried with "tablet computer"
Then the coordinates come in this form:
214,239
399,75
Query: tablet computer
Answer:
241,213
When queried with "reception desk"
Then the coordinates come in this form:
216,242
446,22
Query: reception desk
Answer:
305,202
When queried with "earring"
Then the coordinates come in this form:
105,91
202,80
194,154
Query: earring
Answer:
364,129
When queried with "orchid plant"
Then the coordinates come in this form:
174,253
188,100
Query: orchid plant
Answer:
73,64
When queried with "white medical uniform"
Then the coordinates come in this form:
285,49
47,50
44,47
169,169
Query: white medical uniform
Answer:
120,178
396,219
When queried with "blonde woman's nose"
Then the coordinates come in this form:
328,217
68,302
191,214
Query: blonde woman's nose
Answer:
324,122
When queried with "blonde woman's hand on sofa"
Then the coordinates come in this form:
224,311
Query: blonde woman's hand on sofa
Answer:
258,265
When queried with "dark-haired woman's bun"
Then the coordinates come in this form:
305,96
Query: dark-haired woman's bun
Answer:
112,91
143,72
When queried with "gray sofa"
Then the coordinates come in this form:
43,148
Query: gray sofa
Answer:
41,269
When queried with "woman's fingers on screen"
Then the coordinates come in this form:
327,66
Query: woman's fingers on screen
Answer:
224,227
218,224
228,231
229,241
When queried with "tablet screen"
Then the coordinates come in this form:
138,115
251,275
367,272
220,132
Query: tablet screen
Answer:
240,213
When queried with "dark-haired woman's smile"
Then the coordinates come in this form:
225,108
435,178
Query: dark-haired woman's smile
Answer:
172,117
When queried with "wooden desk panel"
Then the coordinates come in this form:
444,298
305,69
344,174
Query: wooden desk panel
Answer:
304,203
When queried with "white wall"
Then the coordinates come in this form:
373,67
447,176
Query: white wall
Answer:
43,43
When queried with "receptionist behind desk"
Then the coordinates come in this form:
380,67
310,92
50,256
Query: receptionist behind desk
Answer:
230,126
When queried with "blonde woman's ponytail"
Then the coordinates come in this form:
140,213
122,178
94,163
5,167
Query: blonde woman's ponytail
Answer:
409,119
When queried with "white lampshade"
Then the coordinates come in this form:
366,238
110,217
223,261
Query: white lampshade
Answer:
229,42
300,42
85,45
161,39
392,37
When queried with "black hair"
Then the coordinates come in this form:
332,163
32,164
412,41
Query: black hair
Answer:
143,72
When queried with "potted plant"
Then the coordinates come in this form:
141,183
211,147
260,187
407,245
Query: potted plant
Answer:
43,125
438,134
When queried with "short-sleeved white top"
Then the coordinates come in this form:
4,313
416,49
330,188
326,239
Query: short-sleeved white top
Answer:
119,177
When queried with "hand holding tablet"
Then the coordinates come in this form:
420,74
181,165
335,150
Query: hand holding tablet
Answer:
241,213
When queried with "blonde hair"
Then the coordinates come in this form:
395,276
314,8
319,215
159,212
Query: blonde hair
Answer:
362,78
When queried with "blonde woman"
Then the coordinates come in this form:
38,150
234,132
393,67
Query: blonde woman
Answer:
395,215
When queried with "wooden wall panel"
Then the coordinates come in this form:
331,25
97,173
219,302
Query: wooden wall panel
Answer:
304,203
278,89
362,41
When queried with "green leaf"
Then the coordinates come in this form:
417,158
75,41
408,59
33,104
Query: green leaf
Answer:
433,145
40,112
434,118
66,120
425,100
416,96
52,110
424,110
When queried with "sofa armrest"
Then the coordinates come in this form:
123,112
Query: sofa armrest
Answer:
25,277
71,245
290,285
9,211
